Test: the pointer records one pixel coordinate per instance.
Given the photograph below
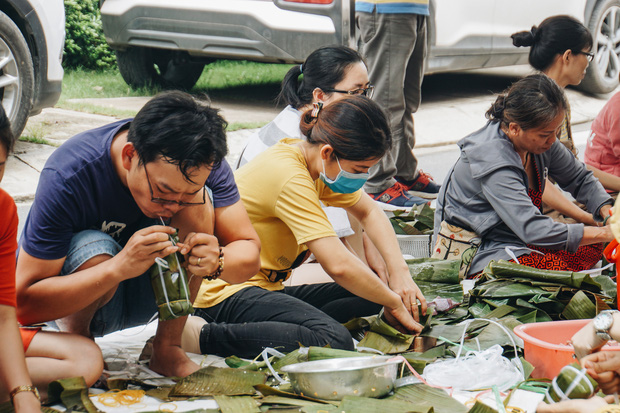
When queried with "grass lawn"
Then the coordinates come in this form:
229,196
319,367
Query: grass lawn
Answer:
224,79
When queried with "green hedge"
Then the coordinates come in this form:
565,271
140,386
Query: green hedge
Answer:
85,44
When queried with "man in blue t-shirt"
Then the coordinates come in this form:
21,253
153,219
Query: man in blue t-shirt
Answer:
106,203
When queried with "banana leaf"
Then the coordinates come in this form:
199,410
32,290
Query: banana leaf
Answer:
479,310
505,269
421,216
501,311
434,270
397,229
236,404
385,338
73,393
210,381
420,360
409,228
323,353
480,407
271,391
235,362
163,394
492,334
608,286
318,409
352,404
506,289
386,344
579,307
496,303
288,401
297,356
423,396
444,290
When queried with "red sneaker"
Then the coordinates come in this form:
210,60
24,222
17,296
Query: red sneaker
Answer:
397,197
423,186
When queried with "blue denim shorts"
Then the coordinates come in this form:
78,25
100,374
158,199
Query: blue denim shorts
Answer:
133,303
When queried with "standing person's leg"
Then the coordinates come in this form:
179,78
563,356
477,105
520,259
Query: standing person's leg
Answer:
388,42
406,162
418,183
254,318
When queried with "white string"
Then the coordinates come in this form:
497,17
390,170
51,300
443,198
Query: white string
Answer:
595,270
163,285
273,352
519,365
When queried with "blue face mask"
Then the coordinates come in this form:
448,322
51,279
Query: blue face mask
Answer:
345,182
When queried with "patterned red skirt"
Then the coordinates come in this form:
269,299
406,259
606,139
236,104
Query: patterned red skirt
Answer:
583,259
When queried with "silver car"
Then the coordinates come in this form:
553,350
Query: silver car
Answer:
168,43
32,37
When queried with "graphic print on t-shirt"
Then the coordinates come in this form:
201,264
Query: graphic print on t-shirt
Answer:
113,229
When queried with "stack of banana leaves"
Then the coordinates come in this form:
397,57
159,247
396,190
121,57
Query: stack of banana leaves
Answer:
510,293
418,221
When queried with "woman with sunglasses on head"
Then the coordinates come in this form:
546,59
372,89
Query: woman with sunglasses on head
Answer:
561,48
282,190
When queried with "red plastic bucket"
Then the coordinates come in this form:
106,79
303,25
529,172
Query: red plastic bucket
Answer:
546,345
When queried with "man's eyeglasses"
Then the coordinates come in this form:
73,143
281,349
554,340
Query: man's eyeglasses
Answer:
365,91
589,55
163,201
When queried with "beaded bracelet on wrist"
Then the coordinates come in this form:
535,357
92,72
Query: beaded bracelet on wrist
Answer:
220,268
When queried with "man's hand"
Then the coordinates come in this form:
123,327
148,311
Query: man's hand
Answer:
403,285
604,367
585,341
401,320
143,247
201,252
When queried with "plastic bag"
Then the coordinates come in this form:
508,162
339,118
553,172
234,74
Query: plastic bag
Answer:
477,369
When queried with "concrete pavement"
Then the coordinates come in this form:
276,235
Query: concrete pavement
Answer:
448,113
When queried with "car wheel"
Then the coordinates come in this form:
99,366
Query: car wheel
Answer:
602,74
16,75
144,67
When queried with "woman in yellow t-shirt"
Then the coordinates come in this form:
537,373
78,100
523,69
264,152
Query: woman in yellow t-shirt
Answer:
282,189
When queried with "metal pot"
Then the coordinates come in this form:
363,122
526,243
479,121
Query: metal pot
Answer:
332,379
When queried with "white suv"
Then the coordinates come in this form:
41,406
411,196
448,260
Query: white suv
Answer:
169,42
32,37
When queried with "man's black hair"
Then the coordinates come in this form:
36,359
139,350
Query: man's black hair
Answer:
183,129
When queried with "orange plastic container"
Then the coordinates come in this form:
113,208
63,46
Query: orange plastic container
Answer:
546,348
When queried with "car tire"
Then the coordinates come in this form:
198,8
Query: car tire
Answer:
16,75
602,74
167,69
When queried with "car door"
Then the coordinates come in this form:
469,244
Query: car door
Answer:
340,30
460,34
511,16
